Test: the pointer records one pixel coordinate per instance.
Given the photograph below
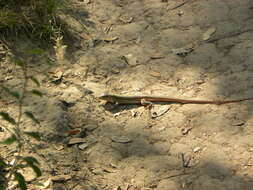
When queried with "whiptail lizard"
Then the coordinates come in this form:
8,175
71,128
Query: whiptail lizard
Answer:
146,100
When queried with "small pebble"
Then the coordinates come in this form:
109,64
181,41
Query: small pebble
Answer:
196,149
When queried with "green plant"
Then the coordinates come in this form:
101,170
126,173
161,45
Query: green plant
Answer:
17,134
33,17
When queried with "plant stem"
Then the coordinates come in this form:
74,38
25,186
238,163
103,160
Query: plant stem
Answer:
17,126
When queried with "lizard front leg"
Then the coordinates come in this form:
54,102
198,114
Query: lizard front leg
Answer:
148,105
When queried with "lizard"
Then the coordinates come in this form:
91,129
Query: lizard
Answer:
147,100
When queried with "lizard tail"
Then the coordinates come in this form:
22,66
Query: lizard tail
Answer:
233,101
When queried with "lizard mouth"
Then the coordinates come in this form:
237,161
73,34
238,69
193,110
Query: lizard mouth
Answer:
103,96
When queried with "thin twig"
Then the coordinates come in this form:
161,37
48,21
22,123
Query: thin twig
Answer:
228,35
178,6
177,175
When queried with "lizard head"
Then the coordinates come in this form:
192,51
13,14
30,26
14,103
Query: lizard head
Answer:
108,98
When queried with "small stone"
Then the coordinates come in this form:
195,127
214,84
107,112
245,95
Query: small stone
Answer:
83,146
113,165
162,128
116,114
57,77
196,149
86,1
12,162
180,13
185,131
134,113
61,147
8,78
63,85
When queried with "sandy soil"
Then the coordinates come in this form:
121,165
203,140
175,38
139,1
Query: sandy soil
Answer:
197,49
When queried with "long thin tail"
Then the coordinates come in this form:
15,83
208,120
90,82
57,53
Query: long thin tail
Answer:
233,101
217,102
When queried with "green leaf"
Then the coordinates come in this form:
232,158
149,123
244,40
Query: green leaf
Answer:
19,62
21,181
9,140
37,92
35,51
31,116
34,135
8,118
31,160
12,93
35,80
36,169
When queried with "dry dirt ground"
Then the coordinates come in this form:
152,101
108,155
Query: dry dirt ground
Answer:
193,49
